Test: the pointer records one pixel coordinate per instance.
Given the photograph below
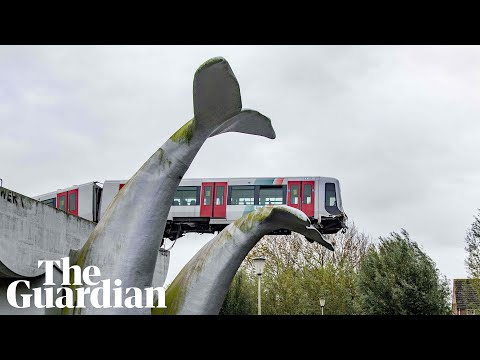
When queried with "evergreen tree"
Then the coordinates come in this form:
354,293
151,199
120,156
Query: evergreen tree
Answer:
472,241
397,278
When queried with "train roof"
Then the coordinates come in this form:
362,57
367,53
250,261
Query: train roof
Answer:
246,178
300,178
53,193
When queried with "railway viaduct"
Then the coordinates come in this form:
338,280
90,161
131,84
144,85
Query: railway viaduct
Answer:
31,231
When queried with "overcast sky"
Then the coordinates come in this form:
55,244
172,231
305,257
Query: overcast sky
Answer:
397,125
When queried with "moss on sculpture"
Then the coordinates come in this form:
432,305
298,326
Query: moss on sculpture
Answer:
209,62
227,235
245,223
185,133
174,295
298,213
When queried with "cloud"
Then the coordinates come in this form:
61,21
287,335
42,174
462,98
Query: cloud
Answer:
397,125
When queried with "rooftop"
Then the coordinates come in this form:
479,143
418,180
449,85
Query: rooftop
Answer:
466,292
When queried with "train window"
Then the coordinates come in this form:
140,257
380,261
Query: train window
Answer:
271,195
50,202
61,204
72,201
242,195
207,195
307,194
330,195
294,194
185,196
219,195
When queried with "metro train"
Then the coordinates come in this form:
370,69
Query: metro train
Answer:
209,205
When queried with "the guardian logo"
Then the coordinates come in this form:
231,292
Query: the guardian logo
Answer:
80,289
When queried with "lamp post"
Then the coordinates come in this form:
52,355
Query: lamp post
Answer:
259,263
322,303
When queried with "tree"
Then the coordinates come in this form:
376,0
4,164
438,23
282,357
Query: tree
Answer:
397,278
472,241
298,273
472,263
241,296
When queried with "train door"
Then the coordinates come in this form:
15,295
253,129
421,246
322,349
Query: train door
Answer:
68,201
220,204
308,202
213,202
73,202
206,200
293,194
300,195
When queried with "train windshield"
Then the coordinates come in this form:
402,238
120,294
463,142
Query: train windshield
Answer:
330,195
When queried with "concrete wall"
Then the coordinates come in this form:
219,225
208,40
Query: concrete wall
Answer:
161,269
31,231
7,309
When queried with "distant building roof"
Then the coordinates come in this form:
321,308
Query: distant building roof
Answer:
466,293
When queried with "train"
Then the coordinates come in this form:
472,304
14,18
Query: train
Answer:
209,205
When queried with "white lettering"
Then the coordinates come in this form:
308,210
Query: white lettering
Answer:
48,270
149,293
94,297
86,275
12,295
117,294
74,293
77,273
137,298
68,297
81,292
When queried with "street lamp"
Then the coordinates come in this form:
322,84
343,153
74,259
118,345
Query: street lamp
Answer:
259,263
322,303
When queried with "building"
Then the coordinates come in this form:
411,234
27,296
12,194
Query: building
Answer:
466,297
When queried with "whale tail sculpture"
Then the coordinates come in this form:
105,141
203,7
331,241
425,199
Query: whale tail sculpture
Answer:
125,242
217,105
201,286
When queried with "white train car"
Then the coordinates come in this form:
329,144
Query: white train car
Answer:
209,205
80,200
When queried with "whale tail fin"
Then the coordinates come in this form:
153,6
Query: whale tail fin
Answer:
217,103
247,122
297,221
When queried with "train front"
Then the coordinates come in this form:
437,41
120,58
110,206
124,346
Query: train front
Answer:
332,217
